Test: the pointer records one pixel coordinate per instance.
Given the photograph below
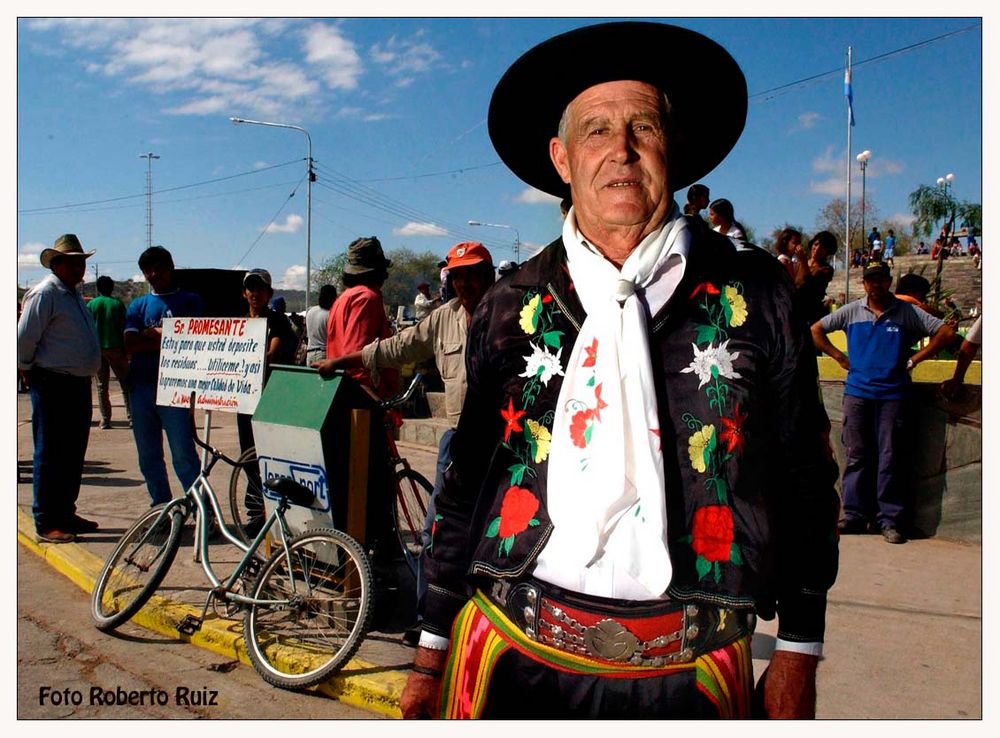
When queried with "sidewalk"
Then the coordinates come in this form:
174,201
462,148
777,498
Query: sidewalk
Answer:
904,625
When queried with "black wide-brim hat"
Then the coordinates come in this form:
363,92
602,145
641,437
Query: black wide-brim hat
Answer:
703,83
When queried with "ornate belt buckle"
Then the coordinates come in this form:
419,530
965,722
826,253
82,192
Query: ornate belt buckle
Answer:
610,640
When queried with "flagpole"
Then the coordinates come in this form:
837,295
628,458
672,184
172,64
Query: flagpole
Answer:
848,93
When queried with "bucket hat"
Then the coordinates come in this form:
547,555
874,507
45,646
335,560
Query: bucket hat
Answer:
365,255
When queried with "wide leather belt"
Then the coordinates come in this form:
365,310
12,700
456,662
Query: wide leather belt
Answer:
636,633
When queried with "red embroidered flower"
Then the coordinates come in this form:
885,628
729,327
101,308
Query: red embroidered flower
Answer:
707,287
732,430
513,418
712,532
601,404
517,510
591,350
580,427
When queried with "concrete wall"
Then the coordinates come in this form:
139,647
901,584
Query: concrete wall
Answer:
943,468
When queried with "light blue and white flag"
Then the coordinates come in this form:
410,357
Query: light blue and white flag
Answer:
849,95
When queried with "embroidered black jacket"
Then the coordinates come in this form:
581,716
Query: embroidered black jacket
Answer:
751,504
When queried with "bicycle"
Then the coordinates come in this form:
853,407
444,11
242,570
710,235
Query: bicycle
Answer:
314,592
412,489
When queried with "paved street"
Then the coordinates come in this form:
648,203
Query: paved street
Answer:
904,633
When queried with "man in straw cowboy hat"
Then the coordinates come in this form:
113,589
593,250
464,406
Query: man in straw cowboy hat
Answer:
612,505
57,353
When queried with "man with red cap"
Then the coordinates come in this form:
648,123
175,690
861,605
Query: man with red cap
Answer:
441,337
612,505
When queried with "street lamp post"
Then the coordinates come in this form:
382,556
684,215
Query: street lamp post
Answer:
863,158
310,178
517,236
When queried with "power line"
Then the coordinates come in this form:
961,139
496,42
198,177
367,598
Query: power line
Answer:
863,62
273,218
461,170
157,192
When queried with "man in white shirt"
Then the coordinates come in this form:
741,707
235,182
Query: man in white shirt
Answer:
423,303
57,354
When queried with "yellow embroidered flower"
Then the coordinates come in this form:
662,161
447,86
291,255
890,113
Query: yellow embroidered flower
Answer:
698,447
529,315
543,439
737,304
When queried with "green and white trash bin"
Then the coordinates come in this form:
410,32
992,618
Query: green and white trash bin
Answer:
326,434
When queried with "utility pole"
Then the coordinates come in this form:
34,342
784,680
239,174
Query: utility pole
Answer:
149,196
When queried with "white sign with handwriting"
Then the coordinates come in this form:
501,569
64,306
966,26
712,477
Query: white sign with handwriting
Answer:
221,360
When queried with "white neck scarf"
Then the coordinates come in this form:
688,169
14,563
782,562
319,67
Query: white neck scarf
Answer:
605,474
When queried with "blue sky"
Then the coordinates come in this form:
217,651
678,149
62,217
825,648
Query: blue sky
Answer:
396,110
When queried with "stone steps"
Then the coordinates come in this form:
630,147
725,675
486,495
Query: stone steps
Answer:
426,432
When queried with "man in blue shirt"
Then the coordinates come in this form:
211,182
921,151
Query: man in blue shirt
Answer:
142,341
880,331
57,354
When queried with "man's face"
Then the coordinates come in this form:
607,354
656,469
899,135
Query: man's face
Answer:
160,276
70,270
615,157
877,287
257,294
470,284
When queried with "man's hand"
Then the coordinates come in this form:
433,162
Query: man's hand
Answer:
790,686
25,378
422,694
844,362
326,368
951,387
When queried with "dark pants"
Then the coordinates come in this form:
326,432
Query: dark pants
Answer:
443,460
61,411
872,435
523,689
254,497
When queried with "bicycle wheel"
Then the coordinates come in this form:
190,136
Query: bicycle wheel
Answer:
325,588
138,564
246,496
413,495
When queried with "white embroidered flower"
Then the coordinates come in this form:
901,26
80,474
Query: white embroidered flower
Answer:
542,364
716,357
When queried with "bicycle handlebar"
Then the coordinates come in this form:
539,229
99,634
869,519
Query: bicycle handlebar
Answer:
400,399
198,442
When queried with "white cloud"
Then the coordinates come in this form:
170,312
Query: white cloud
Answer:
334,56
294,278
420,229
806,121
27,255
291,225
531,196
826,162
904,219
833,186
261,165
882,167
405,57
139,278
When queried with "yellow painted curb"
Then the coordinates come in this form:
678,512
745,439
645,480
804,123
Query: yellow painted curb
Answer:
371,688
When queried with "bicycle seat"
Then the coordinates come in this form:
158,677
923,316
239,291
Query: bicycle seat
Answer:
291,490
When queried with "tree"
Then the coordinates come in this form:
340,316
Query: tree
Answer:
932,204
407,271
331,271
833,218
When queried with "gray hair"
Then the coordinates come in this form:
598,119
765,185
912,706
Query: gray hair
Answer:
564,119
